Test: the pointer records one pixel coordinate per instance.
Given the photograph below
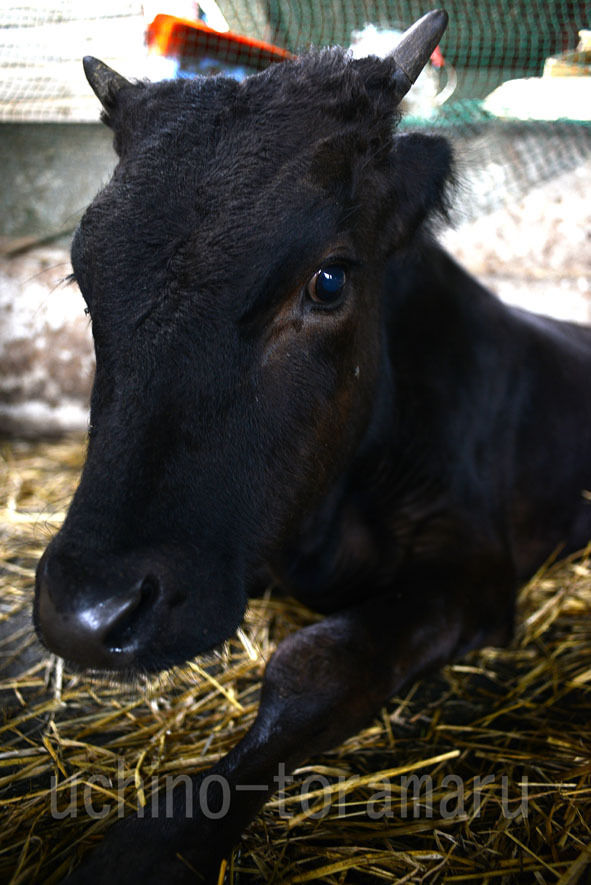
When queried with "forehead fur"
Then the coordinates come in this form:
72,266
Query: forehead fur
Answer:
293,104
217,175
328,85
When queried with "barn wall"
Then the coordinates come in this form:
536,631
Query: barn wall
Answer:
50,172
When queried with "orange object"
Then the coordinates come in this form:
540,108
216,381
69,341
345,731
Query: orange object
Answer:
193,41
437,59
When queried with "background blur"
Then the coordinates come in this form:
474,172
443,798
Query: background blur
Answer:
507,86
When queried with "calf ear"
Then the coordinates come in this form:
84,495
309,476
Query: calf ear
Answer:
419,174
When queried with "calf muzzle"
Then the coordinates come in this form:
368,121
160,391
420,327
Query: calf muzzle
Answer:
97,620
144,610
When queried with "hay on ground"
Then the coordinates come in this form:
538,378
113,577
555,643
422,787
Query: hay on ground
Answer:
481,774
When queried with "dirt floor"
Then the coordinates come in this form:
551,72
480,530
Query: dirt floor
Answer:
46,353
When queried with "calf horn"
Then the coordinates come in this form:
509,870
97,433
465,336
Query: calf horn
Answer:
104,81
414,49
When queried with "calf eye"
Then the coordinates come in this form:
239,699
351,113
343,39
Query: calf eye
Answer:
327,285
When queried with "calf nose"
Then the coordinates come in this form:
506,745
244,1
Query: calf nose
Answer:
95,624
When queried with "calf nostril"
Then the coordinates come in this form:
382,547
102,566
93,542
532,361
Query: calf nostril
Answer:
126,627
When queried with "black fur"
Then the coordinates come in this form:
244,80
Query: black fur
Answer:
401,460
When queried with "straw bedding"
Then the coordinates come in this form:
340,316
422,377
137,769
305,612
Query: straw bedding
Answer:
500,742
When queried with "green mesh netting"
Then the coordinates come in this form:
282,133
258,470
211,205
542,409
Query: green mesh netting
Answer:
487,43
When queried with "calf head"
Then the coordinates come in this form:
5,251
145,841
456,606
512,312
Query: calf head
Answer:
232,269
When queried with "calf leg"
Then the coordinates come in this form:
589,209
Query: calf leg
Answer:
322,684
